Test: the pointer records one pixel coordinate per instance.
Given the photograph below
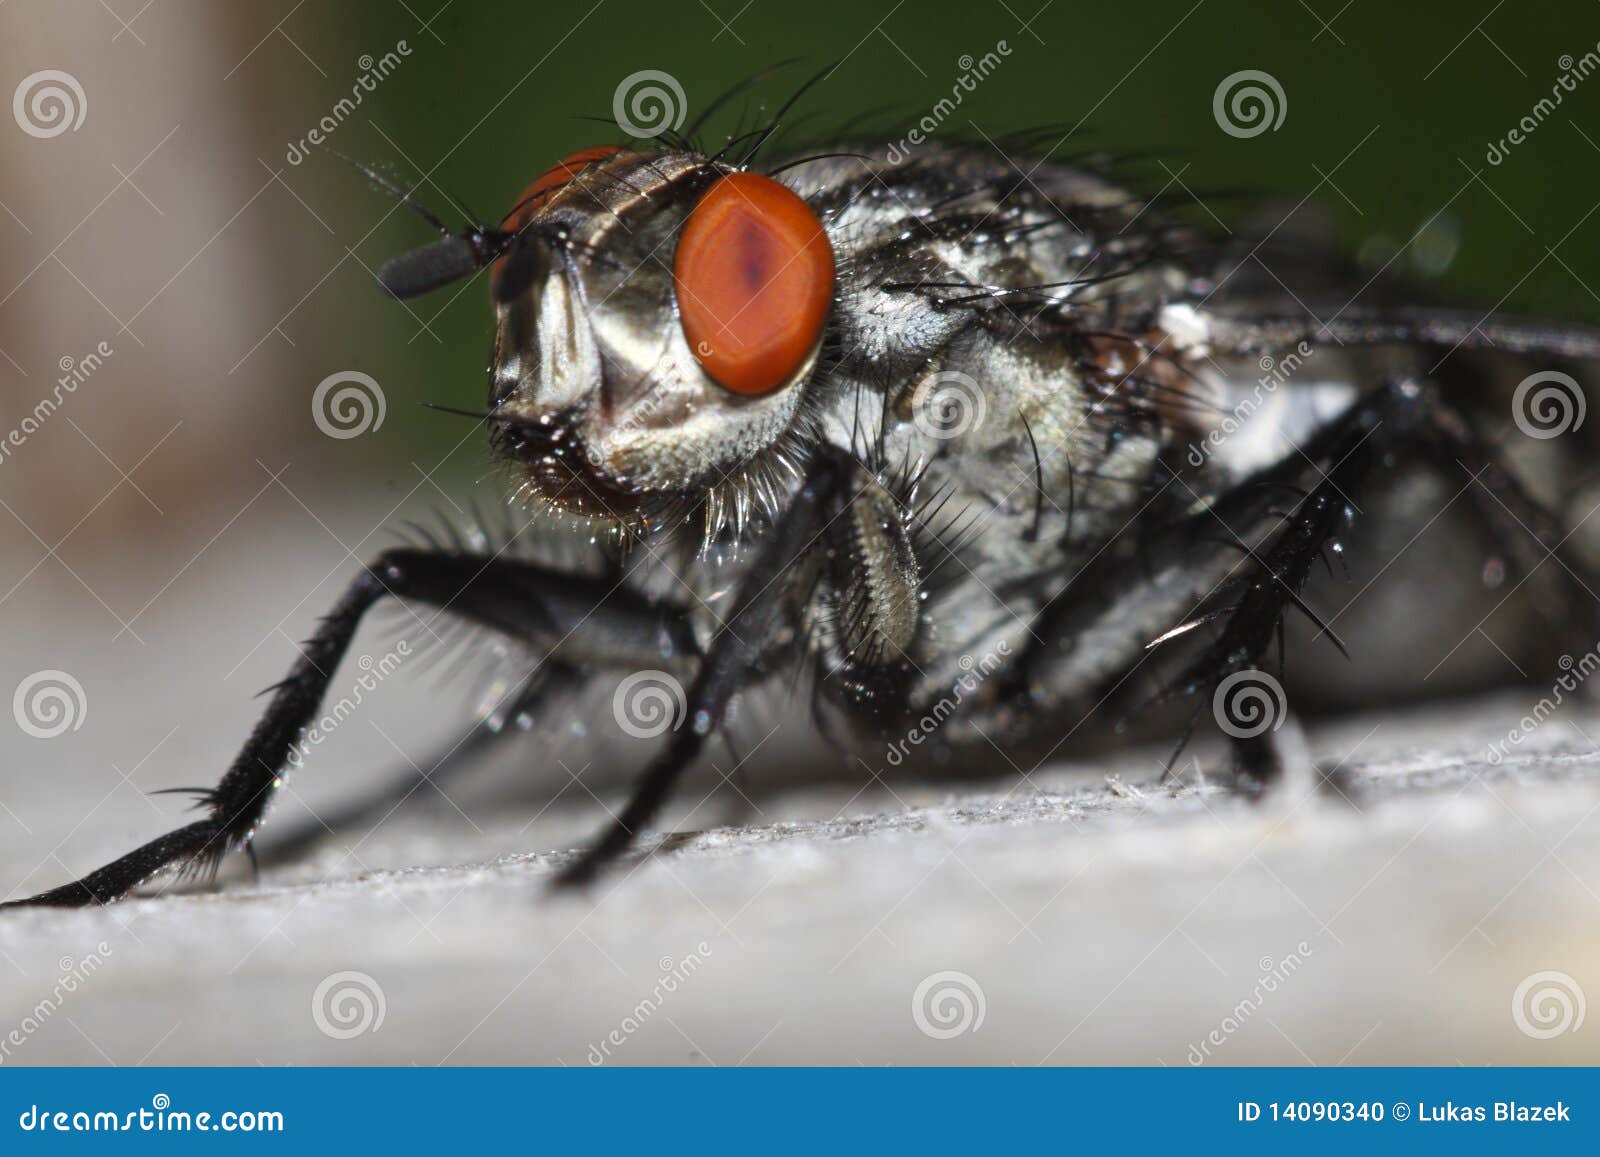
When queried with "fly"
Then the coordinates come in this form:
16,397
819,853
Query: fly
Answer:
989,460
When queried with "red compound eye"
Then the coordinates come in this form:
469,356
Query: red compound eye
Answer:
754,274
556,177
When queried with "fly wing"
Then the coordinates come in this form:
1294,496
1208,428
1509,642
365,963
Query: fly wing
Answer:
1281,280
1405,325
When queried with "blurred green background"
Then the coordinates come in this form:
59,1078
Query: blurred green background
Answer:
1397,104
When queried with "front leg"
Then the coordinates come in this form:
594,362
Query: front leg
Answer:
567,617
541,693
734,655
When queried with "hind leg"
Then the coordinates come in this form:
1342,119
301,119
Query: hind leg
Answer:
1391,425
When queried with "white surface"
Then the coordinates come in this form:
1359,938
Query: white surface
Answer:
1102,924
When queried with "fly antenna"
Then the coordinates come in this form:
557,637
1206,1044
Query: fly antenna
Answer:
392,189
452,257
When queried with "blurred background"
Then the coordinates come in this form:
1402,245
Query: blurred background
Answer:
168,247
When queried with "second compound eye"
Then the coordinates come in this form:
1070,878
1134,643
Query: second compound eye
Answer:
754,280
558,176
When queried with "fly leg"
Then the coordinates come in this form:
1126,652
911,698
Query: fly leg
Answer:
732,658
1238,567
534,694
1388,425
565,615
1280,757
1249,704
1521,527
1094,629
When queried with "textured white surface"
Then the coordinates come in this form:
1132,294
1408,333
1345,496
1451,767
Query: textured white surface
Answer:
1102,924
